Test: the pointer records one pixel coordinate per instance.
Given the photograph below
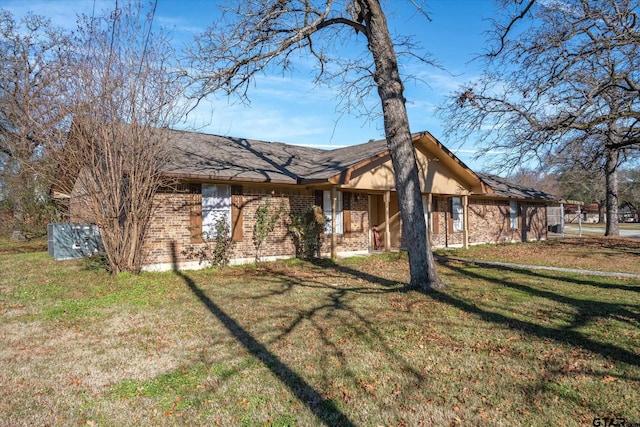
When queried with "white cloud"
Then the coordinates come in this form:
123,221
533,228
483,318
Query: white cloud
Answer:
263,122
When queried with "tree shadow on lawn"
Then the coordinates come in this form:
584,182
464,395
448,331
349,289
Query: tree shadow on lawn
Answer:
543,273
325,410
337,301
588,310
333,301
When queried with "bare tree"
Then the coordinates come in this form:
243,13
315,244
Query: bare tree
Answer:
126,94
581,176
544,180
570,82
32,114
254,35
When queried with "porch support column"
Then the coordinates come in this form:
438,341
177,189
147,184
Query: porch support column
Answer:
334,208
387,230
465,222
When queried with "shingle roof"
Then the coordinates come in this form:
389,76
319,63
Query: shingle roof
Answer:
332,162
504,188
203,156
199,155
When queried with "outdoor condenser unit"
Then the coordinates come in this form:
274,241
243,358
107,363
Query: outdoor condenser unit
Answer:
73,240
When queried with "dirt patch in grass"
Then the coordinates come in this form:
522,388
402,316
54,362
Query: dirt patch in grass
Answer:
588,253
7,246
294,343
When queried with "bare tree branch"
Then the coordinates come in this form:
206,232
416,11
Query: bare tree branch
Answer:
257,34
569,80
125,95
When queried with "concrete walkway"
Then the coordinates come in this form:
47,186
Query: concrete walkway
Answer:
540,267
586,230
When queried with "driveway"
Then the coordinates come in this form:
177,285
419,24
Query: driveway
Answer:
573,229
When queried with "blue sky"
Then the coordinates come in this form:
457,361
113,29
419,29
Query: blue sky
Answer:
290,108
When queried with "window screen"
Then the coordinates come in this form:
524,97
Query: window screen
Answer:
457,214
326,207
216,205
513,214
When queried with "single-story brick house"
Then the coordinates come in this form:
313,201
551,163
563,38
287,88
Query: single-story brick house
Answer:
219,175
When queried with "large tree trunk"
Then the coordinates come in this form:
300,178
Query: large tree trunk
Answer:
396,125
611,180
601,209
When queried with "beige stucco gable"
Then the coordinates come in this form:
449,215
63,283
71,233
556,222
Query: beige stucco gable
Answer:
439,170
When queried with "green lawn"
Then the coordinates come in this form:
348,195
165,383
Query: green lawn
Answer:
294,343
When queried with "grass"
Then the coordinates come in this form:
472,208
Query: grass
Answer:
587,253
294,343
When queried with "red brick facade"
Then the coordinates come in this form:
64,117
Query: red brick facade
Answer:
488,221
171,232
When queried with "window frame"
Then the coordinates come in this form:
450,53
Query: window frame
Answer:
326,209
428,213
457,215
222,193
513,214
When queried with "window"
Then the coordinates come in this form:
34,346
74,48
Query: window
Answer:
513,214
457,214
326,207
428,215
216,205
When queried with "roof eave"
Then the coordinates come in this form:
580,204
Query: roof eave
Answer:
210,177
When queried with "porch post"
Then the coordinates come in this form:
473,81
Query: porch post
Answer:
334,208
387,235
465,222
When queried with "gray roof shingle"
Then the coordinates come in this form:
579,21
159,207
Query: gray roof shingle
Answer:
204,156
199,155
505,188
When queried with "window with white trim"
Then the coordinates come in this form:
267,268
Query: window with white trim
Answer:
428,215
326,207
216,205
457,214
513,214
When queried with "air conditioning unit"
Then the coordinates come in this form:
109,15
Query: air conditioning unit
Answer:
73,240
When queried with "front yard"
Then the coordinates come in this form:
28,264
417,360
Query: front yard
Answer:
294,343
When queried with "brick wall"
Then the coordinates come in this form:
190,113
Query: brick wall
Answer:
443,234
170,232
357,238
536,221
488,221
170,235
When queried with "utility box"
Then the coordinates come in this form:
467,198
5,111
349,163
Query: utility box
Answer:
73,240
